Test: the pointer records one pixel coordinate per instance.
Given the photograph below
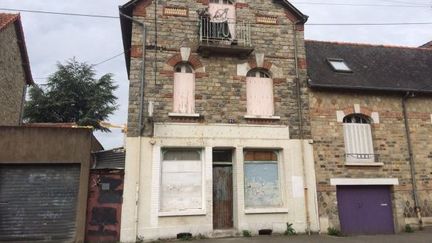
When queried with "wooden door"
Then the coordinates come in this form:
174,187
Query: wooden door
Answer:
222,197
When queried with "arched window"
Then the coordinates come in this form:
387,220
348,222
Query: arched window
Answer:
259,89
184,89
358,139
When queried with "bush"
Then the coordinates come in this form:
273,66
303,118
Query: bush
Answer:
333,231
246,233
290,230
408,229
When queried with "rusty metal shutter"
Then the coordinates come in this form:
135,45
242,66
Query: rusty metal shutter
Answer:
38,202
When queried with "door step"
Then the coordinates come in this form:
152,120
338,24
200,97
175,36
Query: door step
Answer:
224,233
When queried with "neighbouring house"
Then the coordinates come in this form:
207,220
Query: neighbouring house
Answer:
105,196
14,69
371,111
427,45
44,178
218,131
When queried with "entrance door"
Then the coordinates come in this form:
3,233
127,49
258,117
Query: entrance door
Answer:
222,190
365,209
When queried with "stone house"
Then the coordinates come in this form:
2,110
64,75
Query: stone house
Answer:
371,111
218,132
14,68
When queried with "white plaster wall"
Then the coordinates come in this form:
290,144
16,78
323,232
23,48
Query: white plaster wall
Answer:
151,226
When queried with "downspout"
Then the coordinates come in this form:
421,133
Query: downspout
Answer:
300,117
411,158
140,114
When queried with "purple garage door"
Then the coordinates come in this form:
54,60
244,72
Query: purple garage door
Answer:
365,210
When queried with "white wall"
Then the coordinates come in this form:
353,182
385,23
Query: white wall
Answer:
151,225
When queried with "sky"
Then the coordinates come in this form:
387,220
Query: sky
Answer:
55,38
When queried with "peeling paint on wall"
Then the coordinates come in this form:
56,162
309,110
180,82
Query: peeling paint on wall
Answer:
262,185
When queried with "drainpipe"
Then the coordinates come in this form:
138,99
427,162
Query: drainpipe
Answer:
300,117
140,113
411,158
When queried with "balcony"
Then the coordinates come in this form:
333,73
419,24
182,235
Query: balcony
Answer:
363,160
226,38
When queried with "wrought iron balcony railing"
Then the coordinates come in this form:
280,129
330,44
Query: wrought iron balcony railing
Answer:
224,37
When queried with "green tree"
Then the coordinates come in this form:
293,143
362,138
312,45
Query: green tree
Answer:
73,94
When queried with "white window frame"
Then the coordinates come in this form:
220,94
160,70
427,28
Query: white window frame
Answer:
266,209
185,212
358,139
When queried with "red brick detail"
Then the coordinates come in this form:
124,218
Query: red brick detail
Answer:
205,2
169,95
349,110
277,81
290,16
136,51
267,65
174,60
261,121
366,111
241,5
167,73
195,61
198,97
302,63
300,27
277,99
201,75
140,8
239,78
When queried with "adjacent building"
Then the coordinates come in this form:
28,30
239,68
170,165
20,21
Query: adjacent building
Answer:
219,138
14,68
371,111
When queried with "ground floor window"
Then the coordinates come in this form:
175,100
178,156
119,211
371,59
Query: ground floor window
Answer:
181,180
262,179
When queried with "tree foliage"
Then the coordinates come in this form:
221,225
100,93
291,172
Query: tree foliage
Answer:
73,94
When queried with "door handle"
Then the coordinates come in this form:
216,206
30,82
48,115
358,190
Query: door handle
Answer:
384,204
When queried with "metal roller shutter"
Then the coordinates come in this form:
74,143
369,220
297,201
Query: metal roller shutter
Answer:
38,202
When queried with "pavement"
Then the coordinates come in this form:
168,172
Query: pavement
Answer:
424,236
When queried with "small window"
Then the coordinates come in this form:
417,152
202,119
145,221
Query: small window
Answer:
258,73
358,139
183,68
339,65
222,1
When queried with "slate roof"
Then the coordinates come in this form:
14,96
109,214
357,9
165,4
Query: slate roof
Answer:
427,45
374,67
7,19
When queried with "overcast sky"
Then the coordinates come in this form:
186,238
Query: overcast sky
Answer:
53,38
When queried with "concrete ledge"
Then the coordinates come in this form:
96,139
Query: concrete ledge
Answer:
171,114
363,181
262,117
266,210
349,164
183,213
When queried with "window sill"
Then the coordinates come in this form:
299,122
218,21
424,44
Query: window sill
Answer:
266,210
182,213
262,117
172,114
367,164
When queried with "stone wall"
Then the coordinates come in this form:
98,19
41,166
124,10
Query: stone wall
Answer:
220,93
390,144
12,79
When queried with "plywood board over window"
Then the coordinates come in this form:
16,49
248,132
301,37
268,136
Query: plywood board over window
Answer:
259,96
184,90
262,186
181,182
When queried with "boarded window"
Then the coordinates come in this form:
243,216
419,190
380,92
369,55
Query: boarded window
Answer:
184,90
259,95
181,183
262,187
358,139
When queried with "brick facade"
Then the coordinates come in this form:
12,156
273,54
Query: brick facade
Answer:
389,139
12,78
220,93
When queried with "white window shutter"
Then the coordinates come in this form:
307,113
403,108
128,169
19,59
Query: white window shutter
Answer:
358,142
184,93
259,96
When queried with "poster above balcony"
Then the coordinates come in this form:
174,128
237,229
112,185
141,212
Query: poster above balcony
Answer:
224,14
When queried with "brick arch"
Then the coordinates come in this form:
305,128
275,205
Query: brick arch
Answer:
193,60
363,110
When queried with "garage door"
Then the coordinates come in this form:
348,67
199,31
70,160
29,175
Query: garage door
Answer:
38,202
365,209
